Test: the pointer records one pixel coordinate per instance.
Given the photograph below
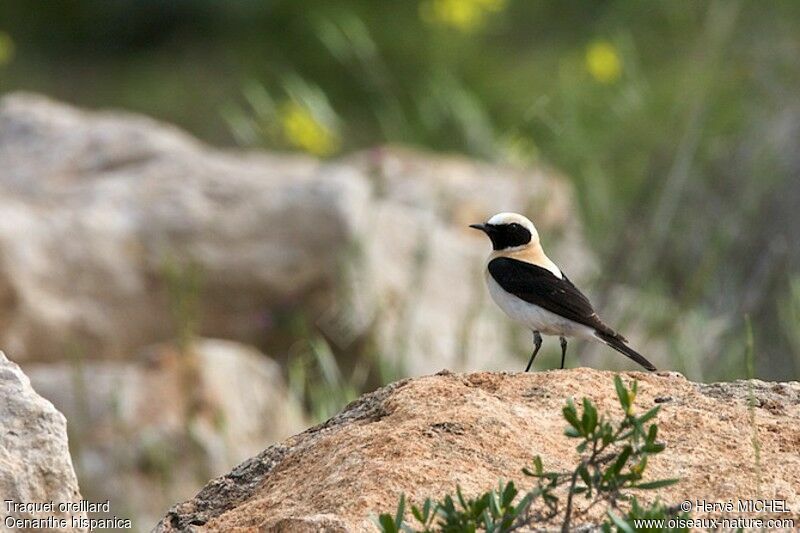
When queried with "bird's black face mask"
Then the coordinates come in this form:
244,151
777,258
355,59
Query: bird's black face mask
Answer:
505,235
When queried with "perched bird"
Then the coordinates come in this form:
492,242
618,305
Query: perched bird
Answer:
532,290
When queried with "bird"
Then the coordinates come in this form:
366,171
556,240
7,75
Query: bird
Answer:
532,290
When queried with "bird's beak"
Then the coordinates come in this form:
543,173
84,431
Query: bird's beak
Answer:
481,227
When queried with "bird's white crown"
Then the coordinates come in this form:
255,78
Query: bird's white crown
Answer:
510,218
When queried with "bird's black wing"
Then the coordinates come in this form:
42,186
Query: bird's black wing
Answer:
541,287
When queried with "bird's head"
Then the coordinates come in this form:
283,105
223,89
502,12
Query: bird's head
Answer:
509,230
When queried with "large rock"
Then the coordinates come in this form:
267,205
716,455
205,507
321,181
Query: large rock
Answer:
148,431
97,207
35,465
424,436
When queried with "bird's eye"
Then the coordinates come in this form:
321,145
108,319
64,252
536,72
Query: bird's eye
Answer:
513,225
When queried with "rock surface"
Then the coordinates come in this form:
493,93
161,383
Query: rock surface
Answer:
97,207
423,436
152,429
35,465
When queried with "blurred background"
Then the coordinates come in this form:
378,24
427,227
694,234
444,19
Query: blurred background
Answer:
654,144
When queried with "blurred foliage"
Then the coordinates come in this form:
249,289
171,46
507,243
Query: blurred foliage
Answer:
6,48
676,121
183,285
317,381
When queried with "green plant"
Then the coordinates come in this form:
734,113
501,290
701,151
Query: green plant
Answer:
316,378
183,283
751,400
613,459
494,511
654,513
789,316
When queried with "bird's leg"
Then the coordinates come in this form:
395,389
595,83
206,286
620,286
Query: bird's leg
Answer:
563,350
537,343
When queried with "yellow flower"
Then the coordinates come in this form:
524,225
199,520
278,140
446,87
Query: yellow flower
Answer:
463,15
519,149
603,62
302,130
6,48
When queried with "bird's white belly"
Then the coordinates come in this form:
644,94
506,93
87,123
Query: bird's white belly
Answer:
535,317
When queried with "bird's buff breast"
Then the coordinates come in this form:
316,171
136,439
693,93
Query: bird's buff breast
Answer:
534,317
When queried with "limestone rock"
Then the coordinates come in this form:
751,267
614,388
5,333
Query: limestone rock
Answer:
35,465
96,206
424,436
148,431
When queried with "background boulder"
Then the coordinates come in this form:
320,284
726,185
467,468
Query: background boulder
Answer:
151,429
106,213
97,207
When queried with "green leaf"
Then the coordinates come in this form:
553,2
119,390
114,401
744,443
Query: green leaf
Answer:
638,469
387,524
584,473
649,414
494,504
638,428
537,462
656,484
618,465
481,504
607,433
589,419
656,447
488,523
571,415
652,433
509,494
523,503
401,511
621,524
625,436
572,432
461,498
622,393
448,506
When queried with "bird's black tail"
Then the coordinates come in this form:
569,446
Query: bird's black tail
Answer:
618,343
